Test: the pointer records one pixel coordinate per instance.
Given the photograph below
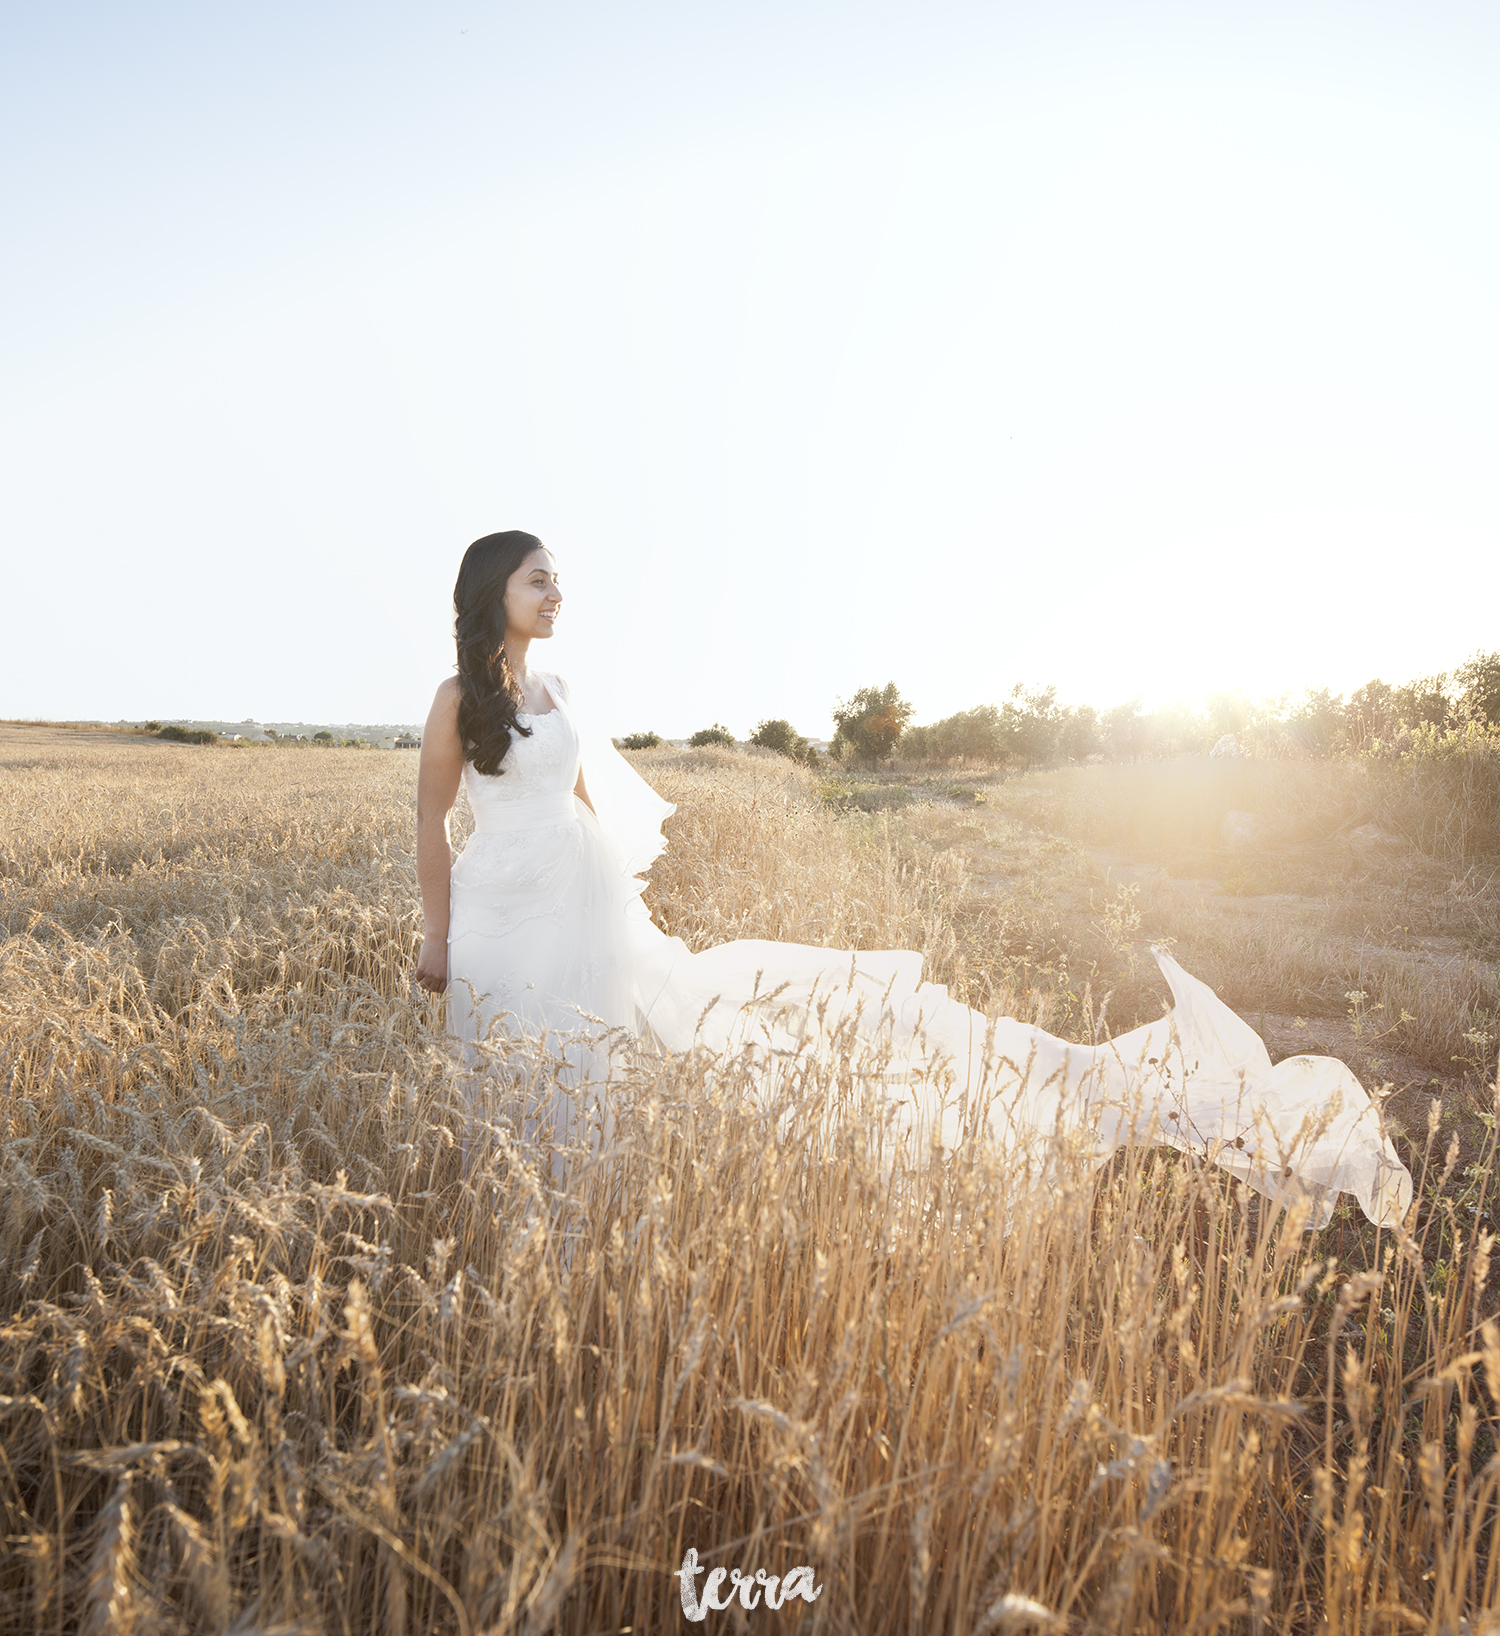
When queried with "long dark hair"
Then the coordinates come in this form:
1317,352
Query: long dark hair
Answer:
488,694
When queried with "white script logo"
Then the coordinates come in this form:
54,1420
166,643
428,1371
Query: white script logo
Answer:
799,1582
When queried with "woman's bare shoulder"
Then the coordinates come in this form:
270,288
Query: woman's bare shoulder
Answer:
444,711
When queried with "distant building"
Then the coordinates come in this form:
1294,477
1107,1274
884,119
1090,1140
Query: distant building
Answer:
407,742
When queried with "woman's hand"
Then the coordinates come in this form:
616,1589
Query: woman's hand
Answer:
432,964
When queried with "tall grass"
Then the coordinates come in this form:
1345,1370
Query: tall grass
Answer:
785,867
290,1344
1441,790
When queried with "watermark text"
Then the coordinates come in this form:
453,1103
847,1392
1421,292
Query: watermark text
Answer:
778,1591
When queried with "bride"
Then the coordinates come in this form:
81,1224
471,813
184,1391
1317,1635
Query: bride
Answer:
537,928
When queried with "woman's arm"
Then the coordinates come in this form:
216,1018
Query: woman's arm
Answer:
581,790
438,773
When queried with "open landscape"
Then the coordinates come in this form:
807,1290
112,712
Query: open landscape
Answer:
1019,482
290,1344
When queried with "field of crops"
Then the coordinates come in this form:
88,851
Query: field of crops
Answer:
297,1337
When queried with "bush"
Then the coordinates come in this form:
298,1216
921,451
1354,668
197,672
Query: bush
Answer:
779,735
187,735
717,734
869,724
839,796
640,741
152,727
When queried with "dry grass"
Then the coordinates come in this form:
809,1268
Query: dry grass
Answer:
287,1348
785,867
1071,869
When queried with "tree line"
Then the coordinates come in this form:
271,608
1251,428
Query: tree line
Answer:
174,734
1031,729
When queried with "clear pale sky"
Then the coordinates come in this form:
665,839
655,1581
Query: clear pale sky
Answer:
1134,348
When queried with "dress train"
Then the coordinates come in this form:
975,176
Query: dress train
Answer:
548,933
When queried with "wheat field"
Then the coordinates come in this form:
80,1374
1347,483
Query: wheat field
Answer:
291,1344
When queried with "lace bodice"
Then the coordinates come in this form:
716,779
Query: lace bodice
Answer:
537,776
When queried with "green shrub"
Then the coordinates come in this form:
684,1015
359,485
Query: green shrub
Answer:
640,741
779,735
187,735
717,734
839,796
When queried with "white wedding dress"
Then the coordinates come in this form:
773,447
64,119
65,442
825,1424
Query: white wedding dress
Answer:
548,936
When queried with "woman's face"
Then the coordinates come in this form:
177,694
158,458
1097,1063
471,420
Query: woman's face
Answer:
532,597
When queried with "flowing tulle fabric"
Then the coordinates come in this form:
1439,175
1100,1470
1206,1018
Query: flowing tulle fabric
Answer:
548,936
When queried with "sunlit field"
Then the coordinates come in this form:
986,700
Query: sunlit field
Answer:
296,1339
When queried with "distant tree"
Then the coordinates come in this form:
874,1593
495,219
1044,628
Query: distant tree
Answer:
869,725
1029,722
1123,731
1177,729
1478,683
779,735
1078,734
717,734
1379,711
323,738
1316,724
187,735
976,735
1370,714
152,727
1423,701
640,741
1228,712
